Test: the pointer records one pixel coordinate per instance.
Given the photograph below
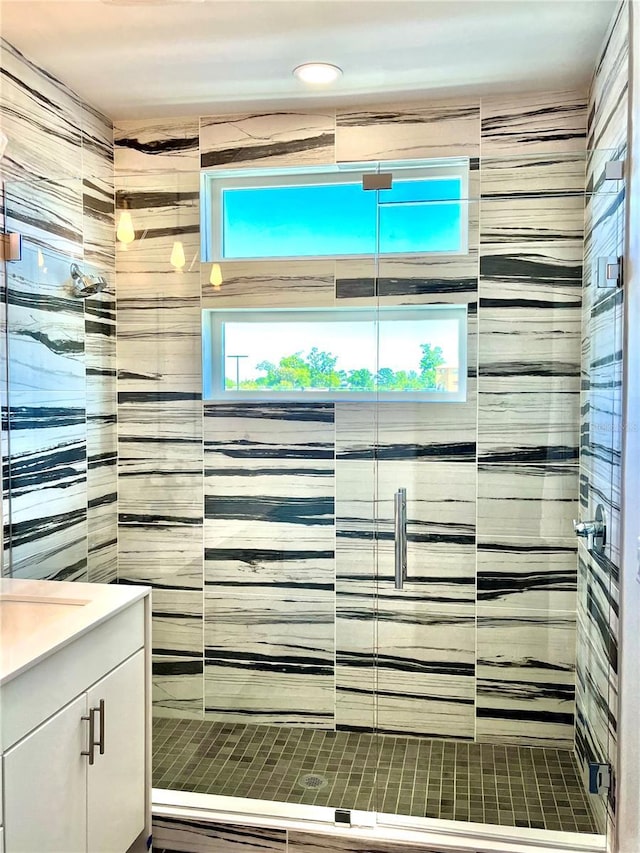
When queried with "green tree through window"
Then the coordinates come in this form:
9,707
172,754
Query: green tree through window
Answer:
318,370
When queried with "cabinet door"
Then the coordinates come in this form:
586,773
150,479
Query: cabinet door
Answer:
116,782
45,778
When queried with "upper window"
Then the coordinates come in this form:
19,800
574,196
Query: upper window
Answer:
320,213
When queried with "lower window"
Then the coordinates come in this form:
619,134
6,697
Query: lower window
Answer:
408,353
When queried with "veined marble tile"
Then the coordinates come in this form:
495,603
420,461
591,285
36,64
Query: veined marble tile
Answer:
47,212
177,622
441,498
408,280
174,417
543,219
98,190
267,139
162,491
535,176
45,325
102,492
530,574
173,835
98,221
102,558
163,208
32,99
438,573
425,666
101,434
526,678
271,284
427,698
302,842
269,497
608,97
409,131
416,432
159,349
270,660
596,724
178,686
164,555
156,145
530,316
48,531
598,608
540,123
537,501
100,339
97,143
518,426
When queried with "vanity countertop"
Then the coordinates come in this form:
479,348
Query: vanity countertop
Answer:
39,617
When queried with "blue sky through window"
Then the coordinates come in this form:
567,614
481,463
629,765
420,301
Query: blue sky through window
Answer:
341,219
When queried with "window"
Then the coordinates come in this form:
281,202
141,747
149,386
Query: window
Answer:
321,213
410,353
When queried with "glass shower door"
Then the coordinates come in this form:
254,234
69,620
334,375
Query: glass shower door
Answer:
425,489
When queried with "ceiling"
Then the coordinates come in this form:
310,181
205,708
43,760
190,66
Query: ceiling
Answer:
144,58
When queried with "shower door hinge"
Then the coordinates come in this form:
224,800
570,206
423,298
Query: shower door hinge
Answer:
599,778
377,181
11,247
614,170
610,271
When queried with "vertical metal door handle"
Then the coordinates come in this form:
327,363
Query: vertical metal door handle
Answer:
100,710
400,536
92,735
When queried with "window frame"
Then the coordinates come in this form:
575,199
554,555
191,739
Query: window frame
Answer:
215,182
213,353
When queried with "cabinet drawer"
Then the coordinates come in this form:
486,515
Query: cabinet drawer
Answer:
39,692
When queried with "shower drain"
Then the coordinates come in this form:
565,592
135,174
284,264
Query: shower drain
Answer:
313,781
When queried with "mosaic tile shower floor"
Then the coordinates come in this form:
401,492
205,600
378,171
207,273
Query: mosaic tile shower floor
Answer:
506,785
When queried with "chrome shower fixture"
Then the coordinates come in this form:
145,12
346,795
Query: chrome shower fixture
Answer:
84,285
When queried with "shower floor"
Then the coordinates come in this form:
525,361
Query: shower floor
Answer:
485,783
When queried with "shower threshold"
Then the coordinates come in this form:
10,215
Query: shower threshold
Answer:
431,833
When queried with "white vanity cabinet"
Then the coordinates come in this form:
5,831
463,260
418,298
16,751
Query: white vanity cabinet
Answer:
76,736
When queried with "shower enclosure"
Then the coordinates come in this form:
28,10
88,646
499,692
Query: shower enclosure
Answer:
368,594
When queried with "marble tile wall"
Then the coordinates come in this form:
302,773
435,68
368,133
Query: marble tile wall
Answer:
601,422
172,835
60,409
283,505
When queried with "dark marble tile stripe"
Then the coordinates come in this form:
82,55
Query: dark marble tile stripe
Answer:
308,511
276,663
237,154
532,454
154,520
353,288
494,585
530,268
440,114
530,715
254,556
64,465
125,397
323,412
245,449
156,146
31,530
401,664
446,451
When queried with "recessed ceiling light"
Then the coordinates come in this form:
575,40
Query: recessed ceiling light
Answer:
317,73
